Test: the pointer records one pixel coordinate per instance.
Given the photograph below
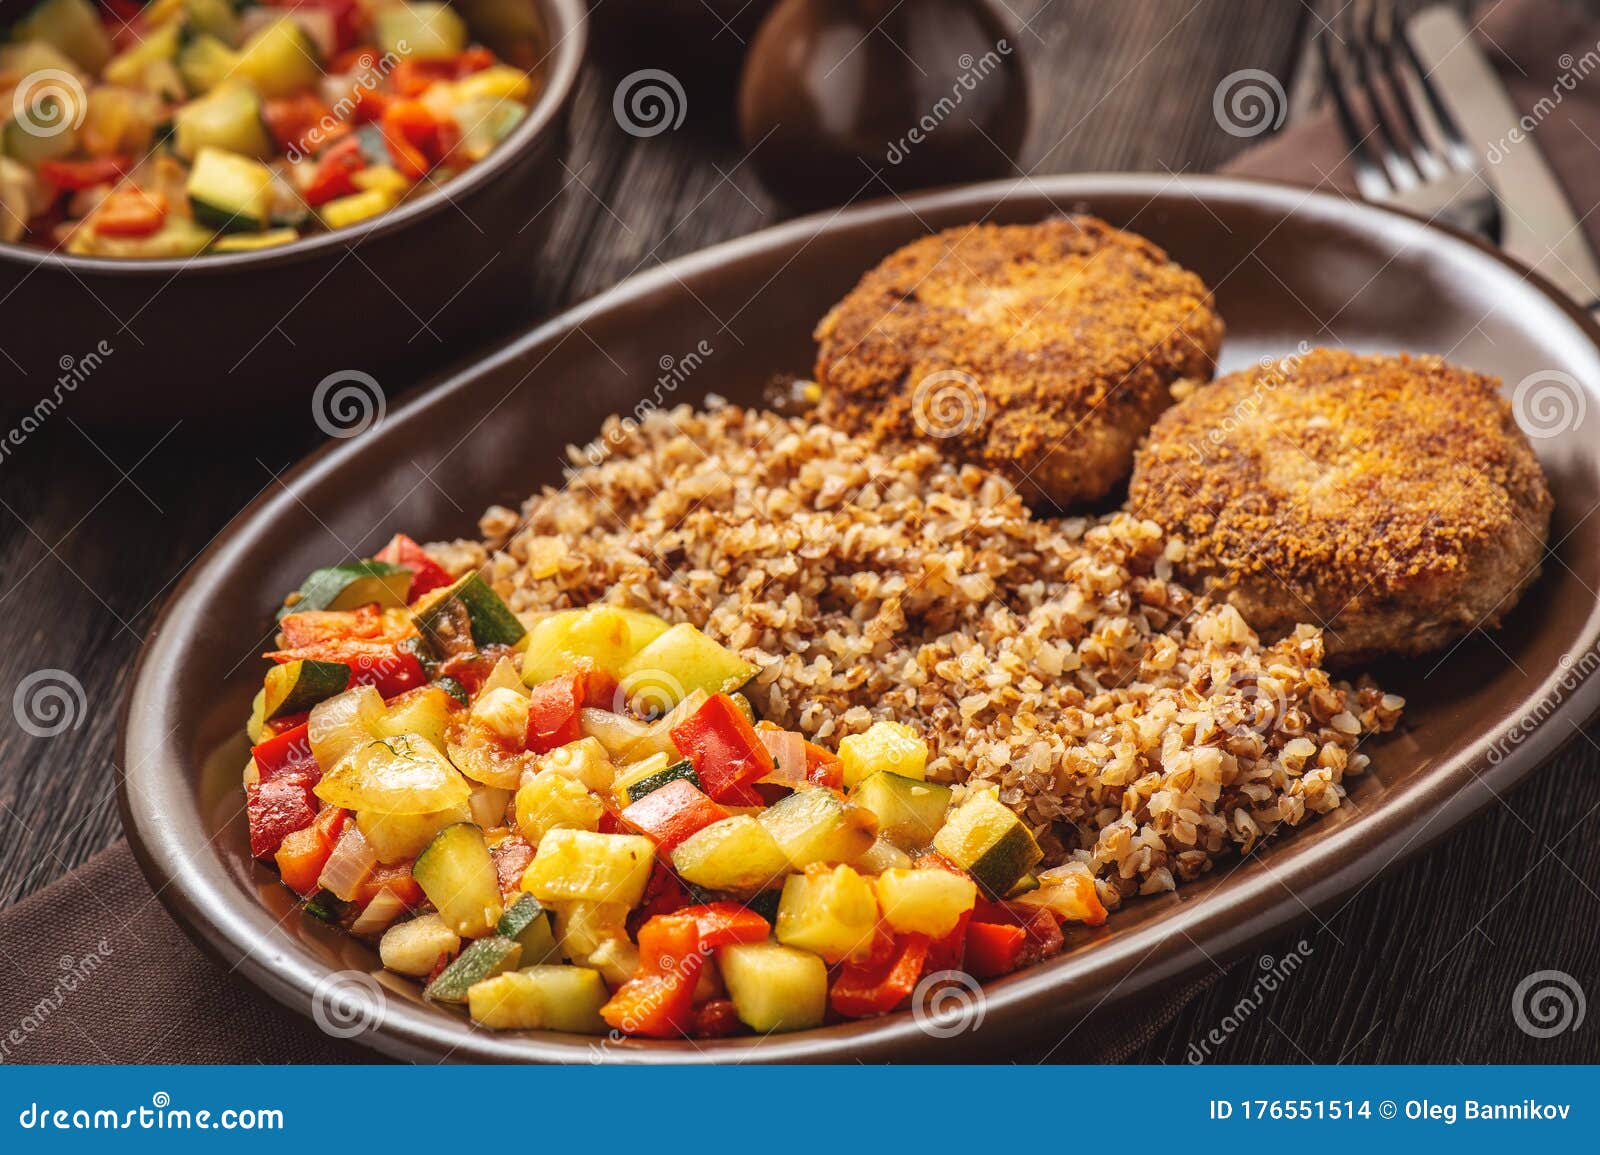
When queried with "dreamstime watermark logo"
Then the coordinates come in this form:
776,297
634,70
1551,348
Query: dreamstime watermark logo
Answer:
1249,102
347,403
1272,374
1262,702
346,1004
1548,403
649,694
949,403
1270,977
48,103
74,372
973,70
1574,69
74,972
1548,1003
368,73
948,1003
674,372
49,702
649,102
1574,671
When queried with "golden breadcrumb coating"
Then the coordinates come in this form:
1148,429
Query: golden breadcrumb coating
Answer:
1042,351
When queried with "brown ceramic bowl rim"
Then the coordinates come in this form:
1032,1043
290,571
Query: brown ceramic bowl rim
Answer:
567,24
1416,814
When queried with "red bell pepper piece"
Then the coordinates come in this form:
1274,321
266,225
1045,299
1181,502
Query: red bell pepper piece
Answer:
726,923
865,989
553,712
727,753
302,123
1041,928
302,854
426,574
287,755
332,170
414,77
311,627
130,212
511,857
994,948
417,139
716,1019
277,808
658,1001
349,18
382,665
950,952
823,767
664,894
73,175
672,813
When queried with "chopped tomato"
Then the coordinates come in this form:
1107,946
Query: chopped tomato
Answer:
716,1019
393,877
302,123
332,171
416,138
471,667
823,767
658,1001
553,712
287,755
72,175
600,689
414,77
1041,928
672,813
511,857
863,990
664,894
727,753
278,807
312,627
384,666
426,574
994,949
302,854
130,211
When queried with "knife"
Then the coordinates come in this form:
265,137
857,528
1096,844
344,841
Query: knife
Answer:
1538,226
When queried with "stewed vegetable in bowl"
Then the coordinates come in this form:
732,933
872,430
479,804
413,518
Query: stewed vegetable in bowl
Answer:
183,127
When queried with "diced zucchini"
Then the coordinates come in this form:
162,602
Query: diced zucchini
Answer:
989,842
73,26
815,825
294,687
254,242
204,63
583,865
928,902
413,948
1027,884
420,30
885,746
555,802
492,622
481,960
833,913
401,837
582,928
132,68
424,711
583,761
531,925
737,854
457,874
637,772
212,18
681,661
343,724
402,775
601,637
774,987
228,118
345,587
882,855
280,60
356,207
639,787
551,998
230,192
909,811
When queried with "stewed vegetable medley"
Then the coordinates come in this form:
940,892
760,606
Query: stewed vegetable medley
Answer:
178,127
574,821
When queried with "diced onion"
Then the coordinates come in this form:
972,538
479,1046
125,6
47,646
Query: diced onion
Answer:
348,866
788,750
385,907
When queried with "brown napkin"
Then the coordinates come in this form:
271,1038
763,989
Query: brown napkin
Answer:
1534,45
77,990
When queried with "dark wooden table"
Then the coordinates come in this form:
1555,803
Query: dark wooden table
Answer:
1420,966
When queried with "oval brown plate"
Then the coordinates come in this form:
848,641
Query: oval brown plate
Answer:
1287,265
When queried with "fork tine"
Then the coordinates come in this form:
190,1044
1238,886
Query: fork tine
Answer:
1402,173
1460,154
1370,176
1380,35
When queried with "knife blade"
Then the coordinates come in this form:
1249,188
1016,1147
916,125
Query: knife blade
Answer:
1539,227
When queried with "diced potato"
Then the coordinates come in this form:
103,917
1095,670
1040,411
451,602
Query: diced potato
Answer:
679,662
420,711
553,998
600,637
737,854
503,713
552,801
815,825
583,928
928,902
885,746
404,775
773,987
833,913
413,948
579,864
400,837
584,761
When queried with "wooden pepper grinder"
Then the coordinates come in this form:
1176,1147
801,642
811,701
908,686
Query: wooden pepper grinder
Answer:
840,98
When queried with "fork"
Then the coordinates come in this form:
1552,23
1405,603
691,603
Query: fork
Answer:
1433,173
